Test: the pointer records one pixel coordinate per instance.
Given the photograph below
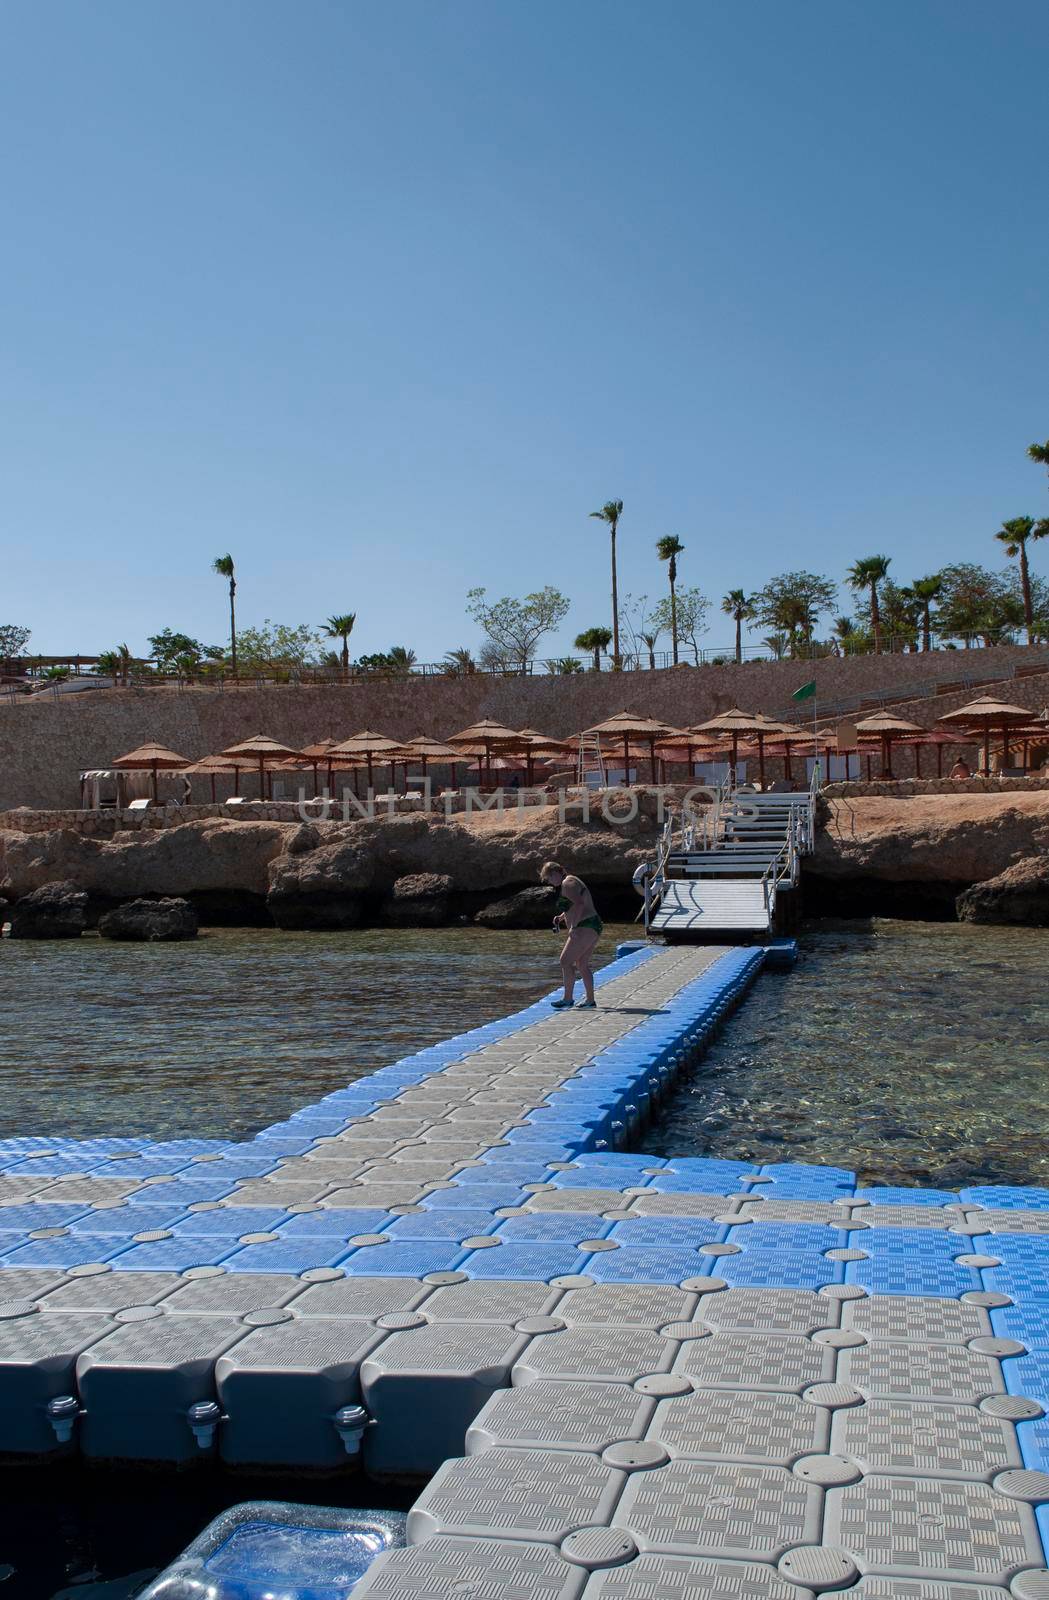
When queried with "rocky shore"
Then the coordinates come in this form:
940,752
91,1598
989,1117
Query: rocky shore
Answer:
982,857
416,871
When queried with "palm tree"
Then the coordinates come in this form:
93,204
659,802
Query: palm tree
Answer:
223,565
777,643
611,512
740,608
1039,453
341,628
649,641
924,592
668,550
459,663
400,660
867,574
595,639
1014,535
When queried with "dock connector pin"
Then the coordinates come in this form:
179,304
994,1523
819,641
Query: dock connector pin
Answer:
350,1423
204,1417
62,1413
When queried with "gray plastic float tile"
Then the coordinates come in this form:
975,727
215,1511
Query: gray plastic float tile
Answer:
1025,1222
892,1216
746,1513
922,1372
504,1301
592,1201
359,1297
915,1589
561,1416
618,1355
423,1387
475,1569
38,1356
691,1578
516,1494
138,1383
113,1291
737,1360
800,1311
905,1318
652,1204
27,1283
775,1429
375,1196
281,1386
232,1294
795,1211
628,1304
933,1441
925,1527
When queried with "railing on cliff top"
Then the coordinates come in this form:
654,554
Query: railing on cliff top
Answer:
40,672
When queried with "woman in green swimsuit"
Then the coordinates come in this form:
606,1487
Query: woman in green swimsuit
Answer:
577,915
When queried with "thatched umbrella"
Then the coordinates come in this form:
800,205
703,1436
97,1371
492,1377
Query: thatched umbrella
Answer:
734,722
627,725
151,758
781,736
422,749
369,745
884,726
933,738
533,745
212,766
266,751
984,714
486,733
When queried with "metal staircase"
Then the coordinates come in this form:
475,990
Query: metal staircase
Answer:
725,871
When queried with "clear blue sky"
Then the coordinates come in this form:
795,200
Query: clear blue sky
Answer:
385,298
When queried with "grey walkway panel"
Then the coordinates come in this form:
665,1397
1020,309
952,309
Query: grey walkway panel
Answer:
475,1569
774,1429
38,1356
424,1387
561,1416
925,1527
800,1311
922,1372
692,1578
138,1383
516,1494
940,1441
281,1386
627,1304
603,1351
740,1512
913,1318
738,1360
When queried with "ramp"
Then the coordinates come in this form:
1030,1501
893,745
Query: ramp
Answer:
735,905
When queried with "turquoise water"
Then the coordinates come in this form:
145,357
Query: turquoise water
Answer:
223,1035
914,1052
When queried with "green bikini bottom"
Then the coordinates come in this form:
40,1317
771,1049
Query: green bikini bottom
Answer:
591,922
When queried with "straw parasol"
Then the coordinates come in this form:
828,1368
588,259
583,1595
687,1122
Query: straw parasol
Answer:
368,744
533,745
212,766
423,749
627,725
884,726
984,714
487,734
151,758
734,722
781,735
266,751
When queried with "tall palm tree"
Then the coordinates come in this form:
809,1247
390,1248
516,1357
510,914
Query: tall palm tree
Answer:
595,639
740,607
668,549
867,574
611,512
1039,453
223,565
1014,535
924,592
341,628
649,641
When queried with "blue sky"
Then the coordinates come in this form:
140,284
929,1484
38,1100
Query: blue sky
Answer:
385,298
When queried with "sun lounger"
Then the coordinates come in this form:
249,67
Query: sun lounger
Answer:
138,806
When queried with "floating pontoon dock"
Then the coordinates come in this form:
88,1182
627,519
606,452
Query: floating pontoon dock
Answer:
620,1377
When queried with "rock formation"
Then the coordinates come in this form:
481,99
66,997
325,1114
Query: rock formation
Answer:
56,911
150,921
1019,895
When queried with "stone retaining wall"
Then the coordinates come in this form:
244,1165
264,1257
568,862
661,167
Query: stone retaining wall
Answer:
906,788
45,743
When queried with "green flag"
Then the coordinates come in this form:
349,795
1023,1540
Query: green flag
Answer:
806,691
